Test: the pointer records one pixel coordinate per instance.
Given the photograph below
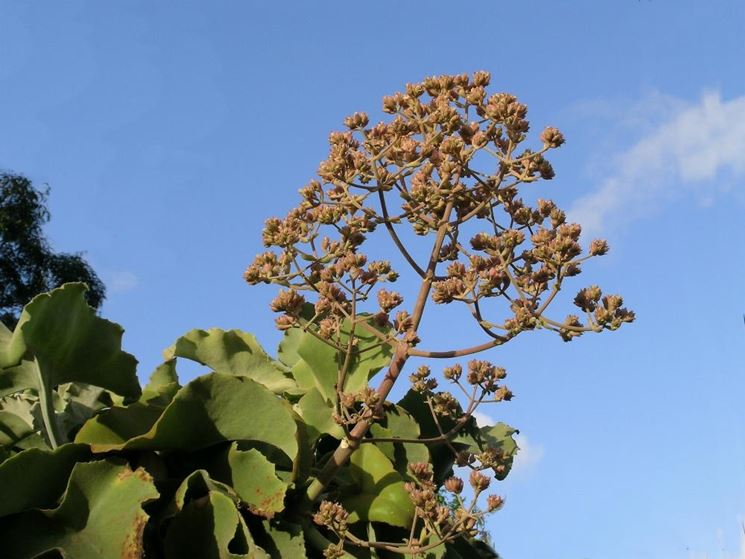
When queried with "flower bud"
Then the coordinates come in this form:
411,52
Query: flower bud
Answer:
478,481
454,485
599,247
551,137
494,502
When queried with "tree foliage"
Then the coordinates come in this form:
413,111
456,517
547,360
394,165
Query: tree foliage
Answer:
28,265
306,454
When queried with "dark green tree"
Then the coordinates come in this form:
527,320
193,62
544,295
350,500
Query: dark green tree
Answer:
28,265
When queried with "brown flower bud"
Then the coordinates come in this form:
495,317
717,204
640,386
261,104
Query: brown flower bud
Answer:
494,502
551,137
421,471
599,247
290,302
478,481
453,372
481,78
332,515
454,485
285,322
356,121
388,300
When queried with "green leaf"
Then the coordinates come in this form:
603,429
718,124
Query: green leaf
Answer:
287,539
77,403
368,359
470,438
163,385
118,424
36,478
378,494
317,363
398,423
441,455
205,523
501,437
18,430
233,352
255,481
317,414
70,344
100,516
213,408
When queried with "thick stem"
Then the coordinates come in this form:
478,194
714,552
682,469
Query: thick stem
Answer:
349,445
46,403
342,453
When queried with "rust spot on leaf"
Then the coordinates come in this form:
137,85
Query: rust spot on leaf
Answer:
132,548
139,473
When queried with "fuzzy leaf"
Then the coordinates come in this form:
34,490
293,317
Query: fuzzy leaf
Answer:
255,481
378,494
118,424
398,423
163,385
317,414
205,522
210,409
235,352
319,362
100,516
17,428
36,478
500,436
70,344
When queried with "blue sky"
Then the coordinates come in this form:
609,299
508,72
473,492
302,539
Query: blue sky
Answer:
169,131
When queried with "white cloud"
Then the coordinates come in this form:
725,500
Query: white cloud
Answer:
483,419
681,155
528,454
121,282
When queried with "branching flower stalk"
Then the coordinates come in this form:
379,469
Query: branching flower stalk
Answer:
449,159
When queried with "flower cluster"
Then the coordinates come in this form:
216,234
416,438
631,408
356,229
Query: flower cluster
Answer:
449,163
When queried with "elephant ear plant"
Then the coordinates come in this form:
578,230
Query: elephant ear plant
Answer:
306,454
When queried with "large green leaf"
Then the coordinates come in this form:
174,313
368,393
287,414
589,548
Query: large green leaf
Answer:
118,424
378,493
501,437
204,522
100,516
470,438
18,430
255,481
317,414
397,423
213,408
441,454
36,478
162,386
235,352
315,363
77,402
283,539
70,343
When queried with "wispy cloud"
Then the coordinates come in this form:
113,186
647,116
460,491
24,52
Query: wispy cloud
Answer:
680,155
722,551
121,282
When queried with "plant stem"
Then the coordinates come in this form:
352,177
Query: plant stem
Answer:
46,402
344,451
